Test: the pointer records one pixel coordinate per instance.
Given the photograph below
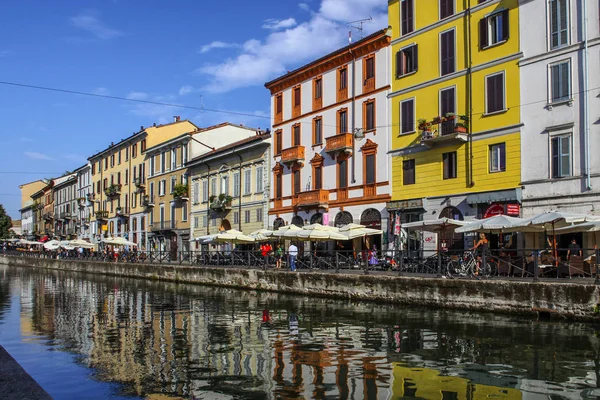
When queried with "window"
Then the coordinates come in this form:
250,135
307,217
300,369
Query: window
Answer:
343,173
278,185
447,53
407,16
278,142
318,178
173,183
259,215
318,88
214,221
317,131
446,8
236,217
112,160
225,184
184,154
259,179
407,116
369,73
184,211
205,190
494,92
196,196
447,101
343,121
162,185
247,181
296,135
151,191
213,187
196,221
247,216
296,184
408,172
343,76
152,166
173,159
498,157
560,81
118,178
134,200
297,98
127,176
106,163
278,108
236,184
205,221
370,169
407,60
561,156
449,160
143,145
493,29
163,162
559,23
119,157
127,153
134,151
369,116
94,169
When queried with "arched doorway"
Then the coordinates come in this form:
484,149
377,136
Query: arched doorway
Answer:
278,223
317,219
450,240
343,218
298,221
225,225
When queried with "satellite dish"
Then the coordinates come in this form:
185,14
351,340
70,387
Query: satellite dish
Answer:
359,134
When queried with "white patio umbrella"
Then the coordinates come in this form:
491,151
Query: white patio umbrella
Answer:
495,224
261,234
591,226
52,245
118,241
82,243
281,232
318,235
66,244
435,225
230,236
352,231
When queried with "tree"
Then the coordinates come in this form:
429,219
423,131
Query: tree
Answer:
5,223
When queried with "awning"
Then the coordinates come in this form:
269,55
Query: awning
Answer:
495,197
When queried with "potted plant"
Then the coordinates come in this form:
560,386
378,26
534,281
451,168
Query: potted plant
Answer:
423,124
436,120
449,116
222,197
463,125
212,198
180,191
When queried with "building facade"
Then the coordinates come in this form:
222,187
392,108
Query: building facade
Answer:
560,97
64,193
119,182
331,138
43,212
28,211
230,186
86,230
455,110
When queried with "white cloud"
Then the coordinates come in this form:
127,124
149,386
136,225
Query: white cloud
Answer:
89,21
305,7
137,96
217,45
276,24
187,89
37,156
283,50
101,91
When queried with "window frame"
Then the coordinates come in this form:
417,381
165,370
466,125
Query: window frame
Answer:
450,165
440,105
318,119
339,120
486,22
205,193
411,19
569,96
454,57
440,9
501,157
414,51
366,104
247,182
569,138
259,180
236,185
278,142
414,116
413,167
567,29
486,98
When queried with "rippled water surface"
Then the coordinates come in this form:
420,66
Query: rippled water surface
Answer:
95,337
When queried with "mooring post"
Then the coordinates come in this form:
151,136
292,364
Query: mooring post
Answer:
536,270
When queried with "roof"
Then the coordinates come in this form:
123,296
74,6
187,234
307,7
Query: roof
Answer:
169,142
65,179
226,124
29,183
221,150
328,56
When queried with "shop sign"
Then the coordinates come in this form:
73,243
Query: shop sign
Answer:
326,219
513,209
493,210
405,204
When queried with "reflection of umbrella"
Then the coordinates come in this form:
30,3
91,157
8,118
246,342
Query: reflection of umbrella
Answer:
495,224
118,241
352,231
230,236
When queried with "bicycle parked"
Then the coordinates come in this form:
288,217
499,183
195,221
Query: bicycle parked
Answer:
466,266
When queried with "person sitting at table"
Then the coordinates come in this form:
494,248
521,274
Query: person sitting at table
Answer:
574,249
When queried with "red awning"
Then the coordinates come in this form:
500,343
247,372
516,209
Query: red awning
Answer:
44,239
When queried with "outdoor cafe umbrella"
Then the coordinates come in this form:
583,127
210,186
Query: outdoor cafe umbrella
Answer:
261,235
118,241
352,231
495,224
230,236
52,245
591,226
82,243
281,232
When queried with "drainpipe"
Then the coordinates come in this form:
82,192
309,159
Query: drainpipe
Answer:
470,82
585,99
239,192
353,116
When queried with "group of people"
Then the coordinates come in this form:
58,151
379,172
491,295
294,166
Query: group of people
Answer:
267,251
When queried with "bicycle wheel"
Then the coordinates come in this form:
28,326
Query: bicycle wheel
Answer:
486,270
452,268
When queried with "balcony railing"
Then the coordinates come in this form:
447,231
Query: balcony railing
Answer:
369,84
451,129
122,212
220,205
341,143
292,155
139,183
148,201
163,225
65,215
102,215
48,216
82,202
113,190
313,199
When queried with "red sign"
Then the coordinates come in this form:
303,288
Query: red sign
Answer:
513,209
494,209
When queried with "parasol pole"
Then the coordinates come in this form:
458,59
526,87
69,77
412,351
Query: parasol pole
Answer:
439,255
554,245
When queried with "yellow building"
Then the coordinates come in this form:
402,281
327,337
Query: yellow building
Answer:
119,182
455,109
43,212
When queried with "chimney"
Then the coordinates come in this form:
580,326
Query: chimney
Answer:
154,124
141,128
176,118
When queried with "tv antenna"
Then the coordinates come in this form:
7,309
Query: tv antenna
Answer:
358,25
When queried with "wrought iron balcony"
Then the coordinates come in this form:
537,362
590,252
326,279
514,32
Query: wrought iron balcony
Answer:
65,215
337,144
102,215
221,204
163,226
148,201
113,190
313,199
122,212
139,183
444,131
292,155
48,216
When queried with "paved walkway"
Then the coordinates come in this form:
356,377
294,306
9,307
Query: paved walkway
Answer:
15,383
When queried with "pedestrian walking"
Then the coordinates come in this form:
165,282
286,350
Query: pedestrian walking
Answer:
292,254
278,256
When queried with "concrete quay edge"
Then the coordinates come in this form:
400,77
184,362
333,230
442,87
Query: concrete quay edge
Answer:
16,383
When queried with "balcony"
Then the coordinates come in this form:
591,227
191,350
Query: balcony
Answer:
221,203
85,221
113,190
102,215
140,184
48,216
369,84
180,192
313,199
445,131
148,201
82,202
337,144
292,155
91,197
163,226
65,216
123,212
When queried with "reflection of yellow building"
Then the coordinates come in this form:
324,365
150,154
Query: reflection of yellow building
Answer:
454,106
426,383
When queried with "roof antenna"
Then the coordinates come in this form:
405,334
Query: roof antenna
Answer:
359,27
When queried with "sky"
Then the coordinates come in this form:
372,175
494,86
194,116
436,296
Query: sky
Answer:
207,55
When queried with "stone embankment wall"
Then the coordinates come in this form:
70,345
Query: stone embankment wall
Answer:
569,300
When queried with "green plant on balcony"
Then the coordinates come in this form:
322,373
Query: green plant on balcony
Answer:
220,202
463,124
113,190
423,124
180,191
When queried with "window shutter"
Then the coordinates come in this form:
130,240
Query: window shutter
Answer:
399,63
504,25
415,57
483,33
409,15
555,158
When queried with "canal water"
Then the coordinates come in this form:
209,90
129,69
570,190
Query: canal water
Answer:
97,337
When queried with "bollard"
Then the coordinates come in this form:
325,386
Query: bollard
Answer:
401,263
536,270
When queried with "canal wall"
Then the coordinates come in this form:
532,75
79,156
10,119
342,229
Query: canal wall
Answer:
571,300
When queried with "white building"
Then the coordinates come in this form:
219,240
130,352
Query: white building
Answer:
84,202
331,135
27,223
560,105
65,206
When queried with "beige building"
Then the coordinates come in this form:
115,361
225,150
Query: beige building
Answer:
119,182
27,207
230,187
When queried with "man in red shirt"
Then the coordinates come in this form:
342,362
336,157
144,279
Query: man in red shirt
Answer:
265,250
